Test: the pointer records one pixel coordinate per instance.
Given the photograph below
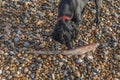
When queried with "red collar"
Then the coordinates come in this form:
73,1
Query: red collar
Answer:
64,17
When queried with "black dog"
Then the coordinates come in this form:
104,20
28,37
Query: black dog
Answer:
69,17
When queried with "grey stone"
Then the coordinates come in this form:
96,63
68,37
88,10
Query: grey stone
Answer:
16,39
26,44
79,61
32,75
19,32
11,53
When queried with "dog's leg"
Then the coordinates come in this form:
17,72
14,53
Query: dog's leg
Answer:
78,17
79,10
97,3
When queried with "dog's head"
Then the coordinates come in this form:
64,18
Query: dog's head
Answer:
64,32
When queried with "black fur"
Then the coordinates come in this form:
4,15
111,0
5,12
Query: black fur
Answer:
65,31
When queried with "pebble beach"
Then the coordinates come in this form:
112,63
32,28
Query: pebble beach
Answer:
26,25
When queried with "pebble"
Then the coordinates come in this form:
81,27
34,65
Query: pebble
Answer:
16,39
1,35
93,11
117,57
1,52
32,75
89,58
53,76
116,79
18,72
26,70
118,74
0,71
3,79
79,61
10,77
96,70
61,63
11,53
79,79
19,32
65,73
77,74
26,44
42,45
64,60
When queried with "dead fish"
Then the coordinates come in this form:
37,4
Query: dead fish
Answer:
78,51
